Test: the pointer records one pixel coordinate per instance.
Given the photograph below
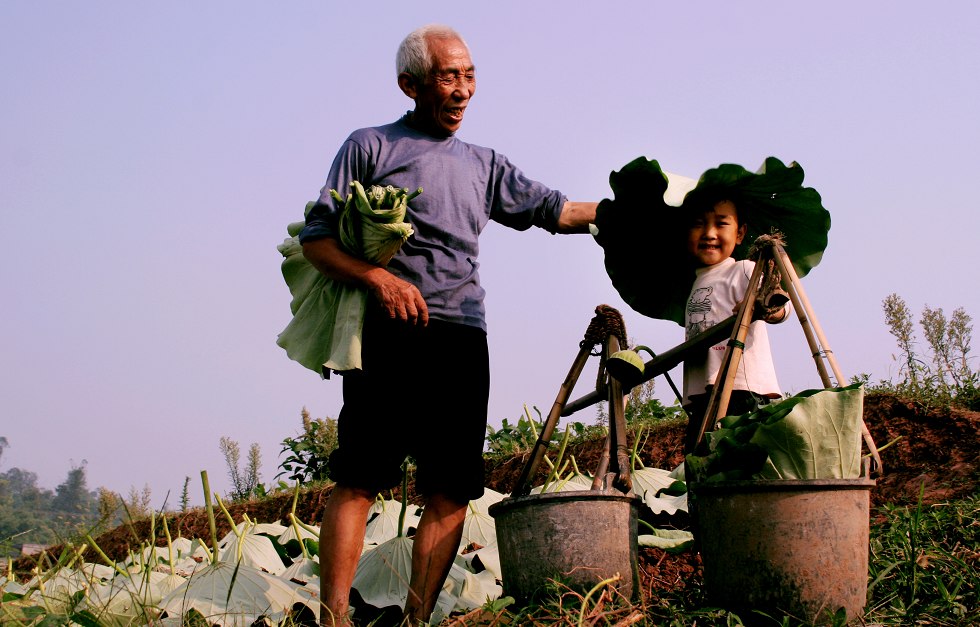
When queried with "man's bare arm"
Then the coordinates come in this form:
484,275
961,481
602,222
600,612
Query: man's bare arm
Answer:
398,297
576,217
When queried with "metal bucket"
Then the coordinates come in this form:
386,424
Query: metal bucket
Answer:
576,538
797,548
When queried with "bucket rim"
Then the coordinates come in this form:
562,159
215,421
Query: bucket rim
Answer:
781,485
551,498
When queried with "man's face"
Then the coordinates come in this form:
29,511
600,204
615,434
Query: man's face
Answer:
442,96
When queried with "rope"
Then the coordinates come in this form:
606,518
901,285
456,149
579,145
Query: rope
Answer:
607,322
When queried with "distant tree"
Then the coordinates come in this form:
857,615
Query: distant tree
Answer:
3,444
74,506
25,509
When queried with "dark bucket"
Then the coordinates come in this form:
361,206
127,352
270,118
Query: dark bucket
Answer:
577,538
797,548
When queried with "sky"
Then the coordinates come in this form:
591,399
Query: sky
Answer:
151,156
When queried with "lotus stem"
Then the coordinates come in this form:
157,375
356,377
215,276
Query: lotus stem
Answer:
170,546
558,459
105,558
210,510
404,508
299,537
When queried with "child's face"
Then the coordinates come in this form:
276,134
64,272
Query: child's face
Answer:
713,235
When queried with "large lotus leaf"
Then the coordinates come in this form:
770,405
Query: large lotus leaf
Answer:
819,438
97,572
149,555
670,540
486,559
11,586
572,483
303,570
772,198
472,590
58,591
640,235
489,497
119,603
383,574
815,434
653,480
643,233
235,596
328,317
130,601
297,533
479,528
253,550
383,525
649,483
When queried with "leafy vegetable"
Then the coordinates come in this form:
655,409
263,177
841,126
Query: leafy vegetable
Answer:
813,435
328,316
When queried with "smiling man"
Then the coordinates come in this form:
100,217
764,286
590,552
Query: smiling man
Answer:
424,383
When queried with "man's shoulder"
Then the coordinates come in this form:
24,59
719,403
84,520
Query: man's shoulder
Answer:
374,132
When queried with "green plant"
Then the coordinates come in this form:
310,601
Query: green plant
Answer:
244,481
185,498
514,439
943,377
924,564
310,451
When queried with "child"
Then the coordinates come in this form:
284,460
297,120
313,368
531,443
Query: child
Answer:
718,290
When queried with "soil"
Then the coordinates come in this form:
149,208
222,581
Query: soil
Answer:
932,455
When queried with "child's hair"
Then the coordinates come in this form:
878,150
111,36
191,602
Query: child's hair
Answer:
708,201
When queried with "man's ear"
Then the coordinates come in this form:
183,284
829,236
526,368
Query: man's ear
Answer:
408,85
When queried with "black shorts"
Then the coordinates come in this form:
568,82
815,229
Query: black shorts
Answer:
423,392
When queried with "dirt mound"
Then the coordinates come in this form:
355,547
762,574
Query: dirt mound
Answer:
936,452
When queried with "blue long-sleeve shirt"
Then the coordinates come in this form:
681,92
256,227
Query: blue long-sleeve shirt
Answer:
463,185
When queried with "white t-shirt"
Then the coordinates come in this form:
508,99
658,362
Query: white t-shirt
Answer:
715,294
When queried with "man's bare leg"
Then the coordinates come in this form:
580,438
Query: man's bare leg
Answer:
341,541
433,550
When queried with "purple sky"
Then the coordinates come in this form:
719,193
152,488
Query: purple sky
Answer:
151,158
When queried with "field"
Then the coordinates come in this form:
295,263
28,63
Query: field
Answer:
927,493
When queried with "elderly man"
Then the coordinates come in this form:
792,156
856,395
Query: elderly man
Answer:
424,383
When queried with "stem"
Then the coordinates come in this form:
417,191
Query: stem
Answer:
602,584
105,558
170,546
299,537
561,453
404,508
210,510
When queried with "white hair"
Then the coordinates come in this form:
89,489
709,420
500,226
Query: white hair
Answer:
413,55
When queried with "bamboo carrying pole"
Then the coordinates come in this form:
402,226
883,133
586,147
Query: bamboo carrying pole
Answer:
607,325
819,347
523,486
615,449
721,392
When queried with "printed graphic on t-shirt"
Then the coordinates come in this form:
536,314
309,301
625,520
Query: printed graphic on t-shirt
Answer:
698,308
